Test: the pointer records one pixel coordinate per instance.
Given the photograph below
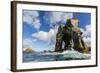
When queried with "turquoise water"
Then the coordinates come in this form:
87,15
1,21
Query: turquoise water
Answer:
41,56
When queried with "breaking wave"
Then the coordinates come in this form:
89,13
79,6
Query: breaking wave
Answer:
54,56
76,54
71,54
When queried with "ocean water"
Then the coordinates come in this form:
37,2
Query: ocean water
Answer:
42,57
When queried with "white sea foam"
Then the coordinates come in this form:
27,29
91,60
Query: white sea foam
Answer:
71,54
76,54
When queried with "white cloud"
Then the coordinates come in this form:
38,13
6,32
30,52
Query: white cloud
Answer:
41,35
49,37
31,17
56,17
87,35
31,13
44,36
87,40
87,30
27,43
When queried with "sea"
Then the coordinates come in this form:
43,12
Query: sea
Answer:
48,56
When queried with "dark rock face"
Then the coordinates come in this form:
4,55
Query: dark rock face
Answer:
59,40
66,34
67,37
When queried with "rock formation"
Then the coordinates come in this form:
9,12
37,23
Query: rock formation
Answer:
70,34
59,35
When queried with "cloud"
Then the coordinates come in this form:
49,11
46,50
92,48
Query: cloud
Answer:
27,43
31,18
44,36
53,18
48,37
87,40
87,31
87,35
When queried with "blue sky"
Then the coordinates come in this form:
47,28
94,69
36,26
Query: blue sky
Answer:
40,27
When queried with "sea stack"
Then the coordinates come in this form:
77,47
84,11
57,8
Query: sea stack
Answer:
70,34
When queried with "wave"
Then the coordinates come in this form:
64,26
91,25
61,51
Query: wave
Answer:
76,54
71,54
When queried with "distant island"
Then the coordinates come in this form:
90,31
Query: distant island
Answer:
29,50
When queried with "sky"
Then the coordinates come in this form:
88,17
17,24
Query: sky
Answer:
40,27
